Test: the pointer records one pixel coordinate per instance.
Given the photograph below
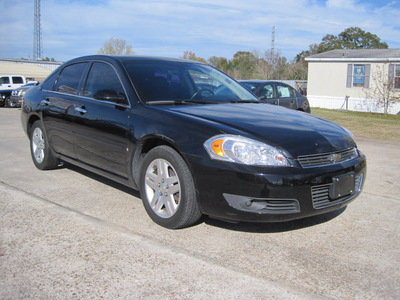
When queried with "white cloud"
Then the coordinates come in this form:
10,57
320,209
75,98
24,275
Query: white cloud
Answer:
207,27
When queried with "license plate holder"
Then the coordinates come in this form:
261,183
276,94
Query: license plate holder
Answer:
342,185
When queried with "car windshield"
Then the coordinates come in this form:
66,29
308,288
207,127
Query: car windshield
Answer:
251,86
184,82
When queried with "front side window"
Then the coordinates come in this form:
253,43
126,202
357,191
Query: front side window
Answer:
4,80
172,81
69,79
103,83
267,91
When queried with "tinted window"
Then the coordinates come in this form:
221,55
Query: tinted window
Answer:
155,81
69,79
103,83
49,83
17,80
284,91
250,86
5,80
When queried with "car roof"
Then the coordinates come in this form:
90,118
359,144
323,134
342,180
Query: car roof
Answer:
126,58
259,81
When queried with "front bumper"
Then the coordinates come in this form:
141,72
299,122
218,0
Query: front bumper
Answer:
265,194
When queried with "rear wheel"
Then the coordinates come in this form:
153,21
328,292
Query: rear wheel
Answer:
42,156
167,189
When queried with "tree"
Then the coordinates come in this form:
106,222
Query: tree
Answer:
245,64
116,47
356,38
382,86
220,63
192,56
350,38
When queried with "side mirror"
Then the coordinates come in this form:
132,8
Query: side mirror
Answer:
109,95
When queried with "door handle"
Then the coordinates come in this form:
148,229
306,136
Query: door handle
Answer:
45,101
81,110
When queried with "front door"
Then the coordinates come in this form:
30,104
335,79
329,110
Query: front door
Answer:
101,117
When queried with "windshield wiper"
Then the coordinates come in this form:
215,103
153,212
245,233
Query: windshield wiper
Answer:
244,101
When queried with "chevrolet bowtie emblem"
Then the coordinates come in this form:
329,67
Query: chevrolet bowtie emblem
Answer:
334,158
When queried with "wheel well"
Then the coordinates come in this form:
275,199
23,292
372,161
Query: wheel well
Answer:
144,147
32,120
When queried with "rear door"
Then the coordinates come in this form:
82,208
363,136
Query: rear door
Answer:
286,96
101,117
60,93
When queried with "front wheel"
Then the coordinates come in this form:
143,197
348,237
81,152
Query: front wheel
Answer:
167,189
9,103
42,156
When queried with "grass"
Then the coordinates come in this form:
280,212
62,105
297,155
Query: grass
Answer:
369,125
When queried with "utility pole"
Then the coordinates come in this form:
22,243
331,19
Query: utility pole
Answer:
273,44
37,32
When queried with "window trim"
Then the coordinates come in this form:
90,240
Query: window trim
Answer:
85,79
393,76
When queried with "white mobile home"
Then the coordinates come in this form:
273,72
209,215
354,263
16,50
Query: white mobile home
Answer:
354,79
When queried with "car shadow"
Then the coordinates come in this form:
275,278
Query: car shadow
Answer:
238,226
102,179
277,226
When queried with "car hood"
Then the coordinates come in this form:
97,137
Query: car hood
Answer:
295,132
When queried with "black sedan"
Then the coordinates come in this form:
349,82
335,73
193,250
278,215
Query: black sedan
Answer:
278,93
192,140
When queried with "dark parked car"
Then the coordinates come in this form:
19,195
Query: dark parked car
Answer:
17,95
278,93
214,150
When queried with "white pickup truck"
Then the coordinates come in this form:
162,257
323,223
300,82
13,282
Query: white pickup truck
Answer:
9,83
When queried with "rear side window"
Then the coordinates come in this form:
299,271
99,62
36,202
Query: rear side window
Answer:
285,91
17,80
103,83
5,80
69,79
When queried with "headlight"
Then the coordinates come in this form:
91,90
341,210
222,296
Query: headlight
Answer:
242,150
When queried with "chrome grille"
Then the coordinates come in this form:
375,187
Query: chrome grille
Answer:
318,160
320,194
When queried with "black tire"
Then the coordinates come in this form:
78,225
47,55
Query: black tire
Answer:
41,153
6,101
167,189
9,103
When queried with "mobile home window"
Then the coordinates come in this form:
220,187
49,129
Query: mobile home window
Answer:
397,77
358,75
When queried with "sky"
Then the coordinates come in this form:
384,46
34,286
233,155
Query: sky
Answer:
72,28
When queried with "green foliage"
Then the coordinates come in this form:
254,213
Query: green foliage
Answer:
350,38
220,63
116,47
192,56
272,65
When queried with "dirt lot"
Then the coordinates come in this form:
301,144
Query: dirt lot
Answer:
69,234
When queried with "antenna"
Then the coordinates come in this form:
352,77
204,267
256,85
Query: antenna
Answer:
37,32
